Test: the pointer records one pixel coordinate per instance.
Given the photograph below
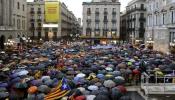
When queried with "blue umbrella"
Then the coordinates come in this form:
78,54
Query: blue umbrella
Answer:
3,84
100,76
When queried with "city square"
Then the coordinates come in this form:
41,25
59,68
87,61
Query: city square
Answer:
108,50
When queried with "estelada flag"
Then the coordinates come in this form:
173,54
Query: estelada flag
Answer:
61,90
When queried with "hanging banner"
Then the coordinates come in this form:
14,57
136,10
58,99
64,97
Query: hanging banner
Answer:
52,12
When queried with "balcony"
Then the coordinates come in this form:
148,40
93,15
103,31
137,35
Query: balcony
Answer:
88,20
105,20
105,13
142,19
97,20
114,13
39,28
114,20
114,29
136,9
32,20
39,20
32,12
97,13
39,12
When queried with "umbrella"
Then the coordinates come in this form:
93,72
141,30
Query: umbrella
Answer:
95,92
119,80
90,97
3,95
136,72
31,97
49,82
100,76
92,87
81,75
108,68
116,94
71,73
122,89
36,82
20,85
3,84
125,98
23,72
101,97
32,90
44,89
116,73
80,98
98,84
40,96
109,84
82,89
44,78
122,65
3,89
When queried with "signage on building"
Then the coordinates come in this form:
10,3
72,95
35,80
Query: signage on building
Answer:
52,12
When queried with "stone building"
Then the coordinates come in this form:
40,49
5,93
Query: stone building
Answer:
13,20
123,27
101,20
160,29
136,20
36,19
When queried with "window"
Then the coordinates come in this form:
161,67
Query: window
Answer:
105,10
32,9
172,17
39,34
88,11
23,7
97,9
172,37
39,9
23,24
96,25
18,24
39,24
114,26
114,10
88,24
163,18
105,18
18,5
142,6
32,25
14,21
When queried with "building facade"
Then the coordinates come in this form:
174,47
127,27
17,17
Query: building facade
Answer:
123,27
160,29
13,20
136,20
101,20
36,20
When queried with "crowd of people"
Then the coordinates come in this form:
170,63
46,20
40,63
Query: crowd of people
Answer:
77,71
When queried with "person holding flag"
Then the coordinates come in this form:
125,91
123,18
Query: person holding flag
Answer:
61,90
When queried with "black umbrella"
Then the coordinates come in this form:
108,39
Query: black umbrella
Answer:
101,97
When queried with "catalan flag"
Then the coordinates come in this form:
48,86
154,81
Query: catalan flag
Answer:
61,90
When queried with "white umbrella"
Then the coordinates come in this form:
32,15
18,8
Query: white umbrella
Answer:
119,77
45,77
109,84
90,97
81,75
132,60
23,72
108,68
2,51
93,87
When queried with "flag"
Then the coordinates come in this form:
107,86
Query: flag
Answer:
61,90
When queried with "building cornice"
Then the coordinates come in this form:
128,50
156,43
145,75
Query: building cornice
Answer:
101,3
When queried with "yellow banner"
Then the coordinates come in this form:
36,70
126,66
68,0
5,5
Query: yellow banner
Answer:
52,12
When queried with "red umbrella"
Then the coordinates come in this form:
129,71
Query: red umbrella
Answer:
122,88
136,71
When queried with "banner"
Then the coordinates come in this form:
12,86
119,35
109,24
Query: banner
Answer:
52,12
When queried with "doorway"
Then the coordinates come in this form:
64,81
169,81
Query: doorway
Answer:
2,40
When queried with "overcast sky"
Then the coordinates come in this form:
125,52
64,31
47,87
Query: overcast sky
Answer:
76,5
